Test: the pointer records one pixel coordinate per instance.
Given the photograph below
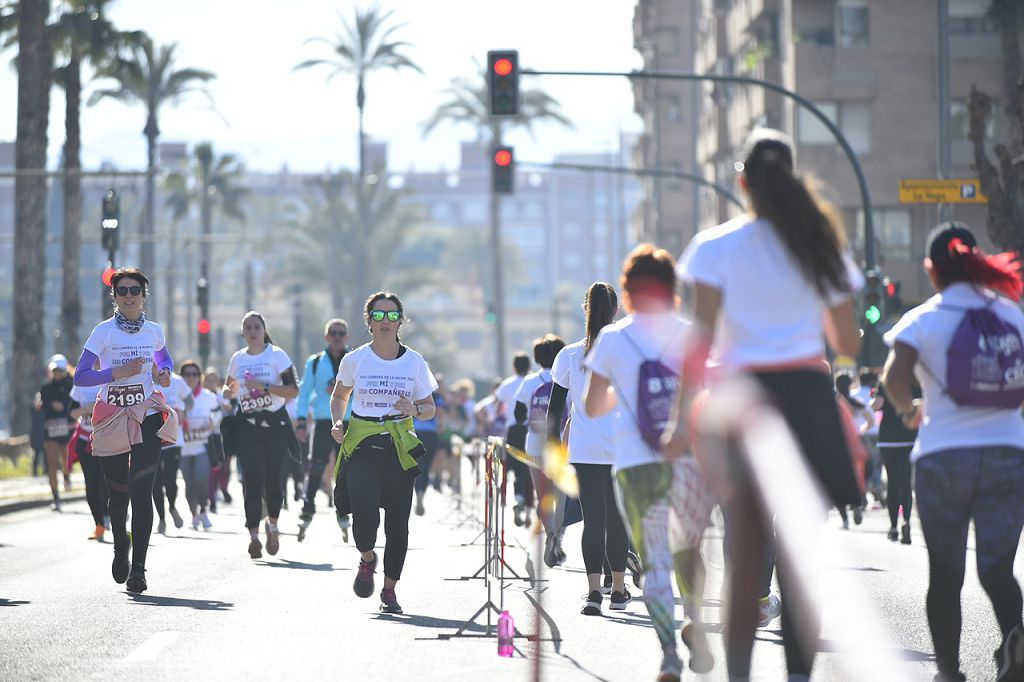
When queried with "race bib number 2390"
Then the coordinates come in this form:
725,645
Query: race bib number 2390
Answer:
125,395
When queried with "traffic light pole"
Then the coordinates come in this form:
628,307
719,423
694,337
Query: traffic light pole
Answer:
865,195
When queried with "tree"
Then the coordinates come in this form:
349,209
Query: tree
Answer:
467,103
1002,181
363,47
149,77
212,183
35,64
346,236
80,34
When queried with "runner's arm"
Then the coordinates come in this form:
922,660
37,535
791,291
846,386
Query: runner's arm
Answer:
599,396
287,389
898,378
85,375
556,408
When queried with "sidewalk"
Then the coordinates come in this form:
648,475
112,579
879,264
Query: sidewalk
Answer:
31,492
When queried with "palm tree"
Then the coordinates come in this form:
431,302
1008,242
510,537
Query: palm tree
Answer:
149,77
80,34
347,235
467,103
212,182
27,21
363,47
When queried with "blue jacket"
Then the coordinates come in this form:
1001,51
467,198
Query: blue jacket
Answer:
317,389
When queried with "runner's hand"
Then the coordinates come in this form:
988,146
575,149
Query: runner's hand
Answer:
231,389
254,385
128,369
338,431
405,407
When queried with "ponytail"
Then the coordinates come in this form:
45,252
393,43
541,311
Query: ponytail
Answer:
599,306
806,225
955,256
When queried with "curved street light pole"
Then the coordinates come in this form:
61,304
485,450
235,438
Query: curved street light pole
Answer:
865,195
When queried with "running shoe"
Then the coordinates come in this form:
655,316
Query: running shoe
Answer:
606,586
551,557
255,548
671,668
137,580
273,538
176,517
97,534
1010,657
846,524
389,602
519,515
363,584
592,606
420,511
701,658
120,567
905,534
894,534
768,609
344,523
213,506
195,522
636,567
161,527
204,519
858,515
620,600
57,505
226,494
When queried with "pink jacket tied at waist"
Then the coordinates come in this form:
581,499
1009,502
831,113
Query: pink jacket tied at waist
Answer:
116,429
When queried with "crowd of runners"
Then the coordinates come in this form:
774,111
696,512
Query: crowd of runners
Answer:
766,301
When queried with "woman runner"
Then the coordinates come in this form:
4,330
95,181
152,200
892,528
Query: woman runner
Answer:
390,384
262,378
195,453
55,401
129,417
179,397
969,455
592,455
895,442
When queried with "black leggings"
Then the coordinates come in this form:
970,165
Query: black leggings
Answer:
603,529
431,442
130,479
167,479
377,481
261,453
95,486
523,486
897,468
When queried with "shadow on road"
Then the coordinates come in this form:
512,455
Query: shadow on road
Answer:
434,623
913,655
12,602
197,604
286,563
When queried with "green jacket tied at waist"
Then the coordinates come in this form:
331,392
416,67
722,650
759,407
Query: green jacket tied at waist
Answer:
401,431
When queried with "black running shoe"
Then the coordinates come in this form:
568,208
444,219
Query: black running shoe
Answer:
905,534
120,567
137,580
592,606
620,600
227,495
363,584
636,567
389,601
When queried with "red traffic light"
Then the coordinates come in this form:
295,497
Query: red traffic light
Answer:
503,157
203,326
890,289
108,276
503,67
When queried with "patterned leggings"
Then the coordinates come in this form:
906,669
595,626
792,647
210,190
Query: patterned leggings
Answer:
667,505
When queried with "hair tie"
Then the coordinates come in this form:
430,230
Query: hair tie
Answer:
957,247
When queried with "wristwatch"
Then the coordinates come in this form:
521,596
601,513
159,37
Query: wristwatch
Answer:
417,409
266,386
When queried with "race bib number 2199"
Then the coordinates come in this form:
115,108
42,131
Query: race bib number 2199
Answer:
126,395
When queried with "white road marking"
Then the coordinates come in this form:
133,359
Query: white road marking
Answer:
152,647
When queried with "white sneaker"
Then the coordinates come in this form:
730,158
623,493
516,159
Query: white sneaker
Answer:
768,610
205,520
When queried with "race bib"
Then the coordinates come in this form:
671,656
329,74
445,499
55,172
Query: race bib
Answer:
199,434
256,403
57,428
125,395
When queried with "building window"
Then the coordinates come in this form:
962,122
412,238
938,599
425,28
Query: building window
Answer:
892,233
960,121
811,130
852,23
970,18
853,119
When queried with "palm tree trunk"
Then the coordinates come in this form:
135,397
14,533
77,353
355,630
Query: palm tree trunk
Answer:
499,286
35,64
206,220
71,300
361,105
148,225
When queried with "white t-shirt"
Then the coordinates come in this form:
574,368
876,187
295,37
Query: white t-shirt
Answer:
771,313
177,392
524,394
115,348
377,384
929,329
267,367
506,394
86,397
863,396
590,440
200,423
616,358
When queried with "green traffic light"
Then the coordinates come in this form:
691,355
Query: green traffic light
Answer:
491,318
872,314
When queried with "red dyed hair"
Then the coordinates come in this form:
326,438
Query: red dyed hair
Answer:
999,272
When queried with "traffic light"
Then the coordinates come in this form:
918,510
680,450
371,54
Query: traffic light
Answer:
203,296
503,170
503,82
108,275
204,339
893,302
490,317
111,220
873,299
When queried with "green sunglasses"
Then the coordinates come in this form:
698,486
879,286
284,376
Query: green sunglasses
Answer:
392,315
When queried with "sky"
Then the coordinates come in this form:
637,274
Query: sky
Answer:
272,116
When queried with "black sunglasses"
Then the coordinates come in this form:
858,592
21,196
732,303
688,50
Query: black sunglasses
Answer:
338,333
392,315
124,291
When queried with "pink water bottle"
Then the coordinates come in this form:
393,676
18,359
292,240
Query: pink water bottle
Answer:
506,633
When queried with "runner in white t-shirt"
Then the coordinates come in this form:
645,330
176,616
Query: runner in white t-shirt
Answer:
262,379
179,397
522,482
388,384
969,455
195,455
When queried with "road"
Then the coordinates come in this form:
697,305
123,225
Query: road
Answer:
212,613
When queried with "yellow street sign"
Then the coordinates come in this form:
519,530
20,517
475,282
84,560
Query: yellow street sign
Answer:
941,192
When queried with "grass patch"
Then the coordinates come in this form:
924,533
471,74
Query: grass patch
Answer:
22,468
